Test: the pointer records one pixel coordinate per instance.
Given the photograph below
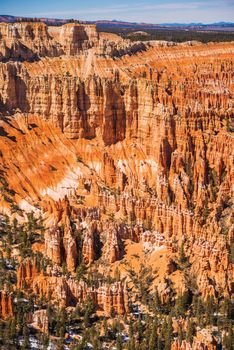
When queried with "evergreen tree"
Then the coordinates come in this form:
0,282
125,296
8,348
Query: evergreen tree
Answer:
131,344
160,343
1,331
191,331
210,308
157,302
26,344
182,256
119,342
198,309
183,302
131,332
105,328
82,345
86,318
168,333
180,335
153,341
112,312
13,332
81,272
61,323
96,344
139,330
147,332
228,340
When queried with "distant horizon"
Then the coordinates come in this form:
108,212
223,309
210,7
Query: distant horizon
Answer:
150,11
118,20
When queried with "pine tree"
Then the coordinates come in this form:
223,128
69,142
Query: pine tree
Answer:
198,309
191,331
112,312
1,330
132,344
119,343
182,256
26,344
131,328
140,330
81,271
105,328
153,342
13,332
96,344
210,307
180,335
157,302
228,340
160,343
86,318
147,331
168,332
45,341
182,303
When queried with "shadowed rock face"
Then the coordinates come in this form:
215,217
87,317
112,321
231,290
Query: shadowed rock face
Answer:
30,41
131,149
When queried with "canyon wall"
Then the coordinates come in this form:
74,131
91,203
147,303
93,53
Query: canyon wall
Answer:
118,142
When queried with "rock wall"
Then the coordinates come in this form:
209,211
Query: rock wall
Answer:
6,305
146,137
68,291
30,41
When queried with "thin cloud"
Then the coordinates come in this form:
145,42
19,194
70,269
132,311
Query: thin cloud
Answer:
123,7
139,11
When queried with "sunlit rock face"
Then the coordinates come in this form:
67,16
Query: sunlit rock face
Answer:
123,144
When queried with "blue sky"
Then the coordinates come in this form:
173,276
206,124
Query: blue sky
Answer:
150,11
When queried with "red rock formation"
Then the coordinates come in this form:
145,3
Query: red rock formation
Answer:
53,245
70,247
29,40
111,250
67,292
202,341
6,305
40,320
106,298
89,249
149,141
26,272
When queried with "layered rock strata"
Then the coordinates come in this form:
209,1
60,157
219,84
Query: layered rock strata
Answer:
144,141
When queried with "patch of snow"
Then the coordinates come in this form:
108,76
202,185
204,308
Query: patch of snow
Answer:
148,246
34,343
97,166
20,300
84,224
122,165
153,164
27,207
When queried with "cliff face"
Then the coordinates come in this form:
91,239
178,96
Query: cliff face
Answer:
87,94
116,146
29,41
6,305
67,291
